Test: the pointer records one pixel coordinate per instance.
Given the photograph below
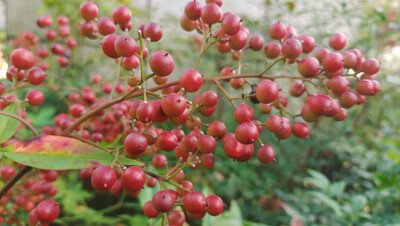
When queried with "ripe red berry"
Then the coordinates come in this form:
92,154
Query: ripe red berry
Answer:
338,85
187,24
122,15
320,104
209,98
133,178
308,67
246,133
193,10
135,144
266,154
272,50
191,80
211,14
163,201
348,99
22,59
159,161
206,144
292,48
231,24
62,20
337,41
36,76
176,217
248,151
88,10
350,59
267,91
238,41
125,46
256,42
194,202
149,210
307,43
151,182
174,105
277,31
44,21
47,211
370,66
243,113
214,205
232,147
152,31
105,26
167,141
7,172
103,178
161,63
77,110
300,129
296,88
320,54
35,97
145,112
108,44
188,144
332,62
88,29
216,129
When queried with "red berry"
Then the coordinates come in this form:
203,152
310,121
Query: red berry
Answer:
145,112
207,160
103,178
47,211
308,67
191,80
320,54
163,201
108,44
232,147
248,151
231,24
243,113
338,85
151,182
350,59
193,10
105,26
246,133
209,98
238,41
149,210
188,144
337,41
44,21
133,178
35,97
256,42
174,105
267,91
266,154
214,205
7,172
370,66
161,63
125,46
211,14
206,144
272,50
277,31
88,10
195,202
122,15
176,217
307,43
348,99
297,88
300,129
159,161
292,48
77,110
36,76
62,20
216,129
332,62
135,144
187,24
167,141
22,59
152,31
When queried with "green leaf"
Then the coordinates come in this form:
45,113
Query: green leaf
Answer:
8,125
358,202
327,201
336,189
58,152
317,179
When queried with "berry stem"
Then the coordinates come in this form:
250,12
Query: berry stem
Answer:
27,124
119,62
225,93
90,143
142,76
271,65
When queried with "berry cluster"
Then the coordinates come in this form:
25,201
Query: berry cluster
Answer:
132,114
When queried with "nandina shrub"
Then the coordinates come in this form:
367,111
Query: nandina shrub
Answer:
107,133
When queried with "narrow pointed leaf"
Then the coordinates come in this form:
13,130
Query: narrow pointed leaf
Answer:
58,152
8,125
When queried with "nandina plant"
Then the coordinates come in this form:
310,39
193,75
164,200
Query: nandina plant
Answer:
328,83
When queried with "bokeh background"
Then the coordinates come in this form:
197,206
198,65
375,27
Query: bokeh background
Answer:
345,173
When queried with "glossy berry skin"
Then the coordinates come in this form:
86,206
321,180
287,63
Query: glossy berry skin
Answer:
246,133
22,59
248,151
211,14
206,144
145,113
296,88
243,113
272,50
277,31
320,104
267,91
152,31
266,154
188,144
193,10
337,41
307,43
105,26
191,80
338,85
195,202
216,129
7,172
108,44
174,104
103,178
256,42
176,217
135,144
292,48
348,99
151,182
122,15
320,54
332,62
89,10
159,161
214,205
167,141
308,67
133,178
47,211
230,24
149,210
370,66
125,46
232,147
77,110
300,129
365,87
36,76
35,97
209,98
161,63
163,201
